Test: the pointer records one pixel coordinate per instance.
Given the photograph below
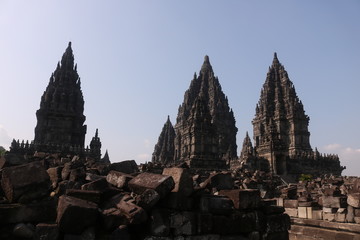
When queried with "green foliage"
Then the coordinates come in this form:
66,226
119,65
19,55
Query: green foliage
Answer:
305,177
2,151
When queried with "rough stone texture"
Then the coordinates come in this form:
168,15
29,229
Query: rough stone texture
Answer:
128,166
216,204
74,214
354,200
60,118
333,202
164,150
205,125
182,178
44,211
243,198
118,179
219,181
20,184
160,183
280,130
127,206
45,231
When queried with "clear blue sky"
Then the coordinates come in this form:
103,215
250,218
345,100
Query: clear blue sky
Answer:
137,58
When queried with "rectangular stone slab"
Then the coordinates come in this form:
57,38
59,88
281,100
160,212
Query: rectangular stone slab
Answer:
160,183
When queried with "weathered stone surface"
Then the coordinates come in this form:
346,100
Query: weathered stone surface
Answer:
183,223
243,198
23,230
334,202
277,223
121,233
45,231
88,195
21,184
97,185
128,166
204,223
219,181
292,212
147,199
55,175
353,200
216,204
291,203
74,214
118,179
44,211
182,178
111,218
175,200
160,183
160,222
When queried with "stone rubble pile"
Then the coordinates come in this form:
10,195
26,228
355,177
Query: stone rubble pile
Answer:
54,197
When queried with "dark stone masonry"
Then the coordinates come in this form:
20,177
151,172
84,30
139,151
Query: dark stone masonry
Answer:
195,187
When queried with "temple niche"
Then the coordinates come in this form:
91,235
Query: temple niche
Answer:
280,129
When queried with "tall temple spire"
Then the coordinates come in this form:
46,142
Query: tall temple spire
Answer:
222,117
164,149
60,119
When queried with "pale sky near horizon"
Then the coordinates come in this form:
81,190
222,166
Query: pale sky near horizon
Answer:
136,60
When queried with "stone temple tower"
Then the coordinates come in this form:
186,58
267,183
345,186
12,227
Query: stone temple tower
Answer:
205,99
280,123
60,119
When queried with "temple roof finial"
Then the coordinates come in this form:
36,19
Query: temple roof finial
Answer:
275,60
206,65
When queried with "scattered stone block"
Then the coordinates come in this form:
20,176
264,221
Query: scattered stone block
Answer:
97,185
182,178
23,230
118,179
121,233
340,215
160,183
329,210
219,181
183,223
128,166
317,214
329,216
88,195
147,199
302,213
74,215
55,175
353,200
20,184
334,202
350,214
216,204
46,231
291,203
243,198
111,218
277,223
357,220
160,222
292,212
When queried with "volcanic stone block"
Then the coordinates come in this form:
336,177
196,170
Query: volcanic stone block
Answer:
317,214
334,202
160,183
112,218
353,200
329,216
33,212
277,223
243,198
23,230
175,200
128,166
88,195
74,214
182,178
121,233
77,174
216,204
45,231
26,182
55,175
183,223
97,185
350,214
290,203
118,179
160,222
268,210
147,199
205,223
220,181
292,212
340,215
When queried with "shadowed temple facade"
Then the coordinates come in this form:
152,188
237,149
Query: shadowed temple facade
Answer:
205,133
